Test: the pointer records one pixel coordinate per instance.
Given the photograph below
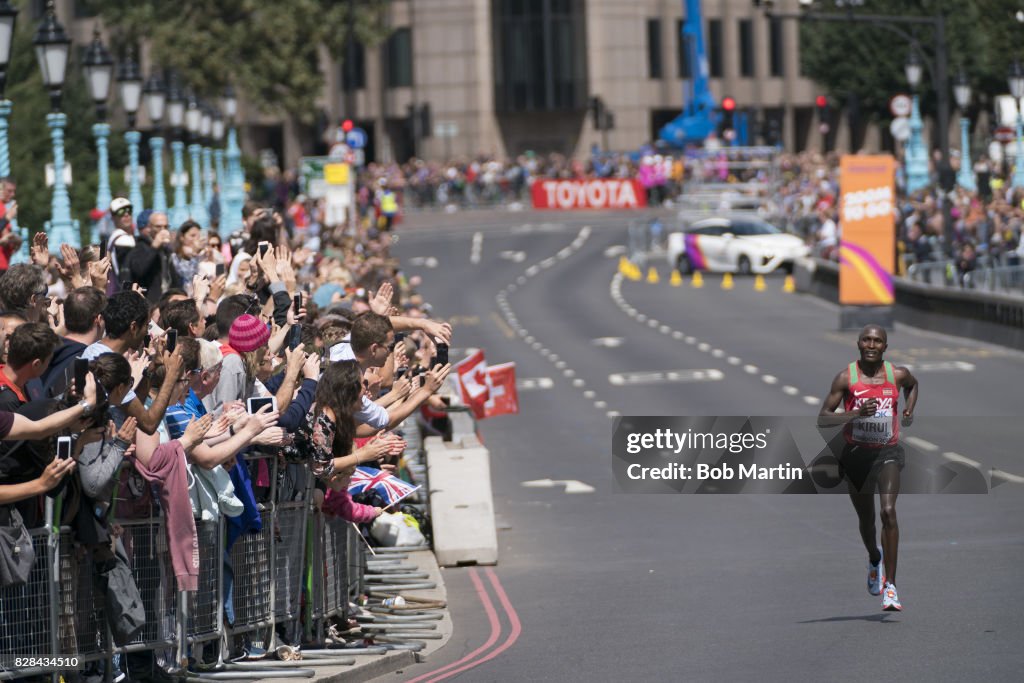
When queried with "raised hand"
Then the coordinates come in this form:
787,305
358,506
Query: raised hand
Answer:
381,301
99,271
56,471
436,377
41,249
196,431
127,431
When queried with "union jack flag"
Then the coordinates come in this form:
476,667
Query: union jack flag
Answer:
386,484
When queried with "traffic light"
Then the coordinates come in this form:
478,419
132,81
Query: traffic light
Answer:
420,119
728,108
821,102
347,125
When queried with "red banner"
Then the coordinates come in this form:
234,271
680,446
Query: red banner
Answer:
599,193
504,399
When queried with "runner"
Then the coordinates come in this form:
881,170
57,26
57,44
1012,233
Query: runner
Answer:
872,457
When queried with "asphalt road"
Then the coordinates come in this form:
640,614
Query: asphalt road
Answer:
616,587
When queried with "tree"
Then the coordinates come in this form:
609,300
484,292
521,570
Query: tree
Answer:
272,47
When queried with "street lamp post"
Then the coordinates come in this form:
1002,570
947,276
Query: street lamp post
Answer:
193,119
205,130
129,82
99,71
962,95
176,120
218,160
156,99
1016,82
8,15
234,183
52,46
916,155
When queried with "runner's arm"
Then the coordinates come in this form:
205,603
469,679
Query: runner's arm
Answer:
909,384
827,417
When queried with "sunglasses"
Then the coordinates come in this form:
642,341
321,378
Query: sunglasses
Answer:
124,212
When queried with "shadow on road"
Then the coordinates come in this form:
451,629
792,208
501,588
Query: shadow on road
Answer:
881,618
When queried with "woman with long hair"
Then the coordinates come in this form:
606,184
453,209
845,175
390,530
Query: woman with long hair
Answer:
338,397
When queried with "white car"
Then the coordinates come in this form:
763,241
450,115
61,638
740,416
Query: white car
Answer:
733,245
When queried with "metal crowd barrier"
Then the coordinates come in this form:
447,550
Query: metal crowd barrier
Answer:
300,558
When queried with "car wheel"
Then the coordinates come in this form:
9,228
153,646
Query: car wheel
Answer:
683,265
743,266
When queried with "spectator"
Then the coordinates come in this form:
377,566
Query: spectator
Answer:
149,262
10,241
83,324
23,291
29,352
122,240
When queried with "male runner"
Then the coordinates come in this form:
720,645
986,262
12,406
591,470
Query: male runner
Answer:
872,457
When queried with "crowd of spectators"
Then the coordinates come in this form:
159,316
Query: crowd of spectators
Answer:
145,349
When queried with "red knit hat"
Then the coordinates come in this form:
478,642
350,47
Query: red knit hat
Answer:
247,333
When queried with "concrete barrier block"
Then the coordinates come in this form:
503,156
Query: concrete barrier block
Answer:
461,505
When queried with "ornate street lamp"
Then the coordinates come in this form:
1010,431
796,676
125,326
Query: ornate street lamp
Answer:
155,97
1016,83
218,160
176,120
193,121
916,155
129,83
205,131
233,188
99,71
8,15
52,46
962,95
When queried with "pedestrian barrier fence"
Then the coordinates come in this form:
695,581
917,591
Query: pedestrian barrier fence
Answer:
291,582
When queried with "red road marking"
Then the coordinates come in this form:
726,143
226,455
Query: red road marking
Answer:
492,617
513,619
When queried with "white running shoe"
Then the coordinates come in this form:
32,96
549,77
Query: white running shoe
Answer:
890,601
876,577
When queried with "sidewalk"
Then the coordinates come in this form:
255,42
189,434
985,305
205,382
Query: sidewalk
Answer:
418,633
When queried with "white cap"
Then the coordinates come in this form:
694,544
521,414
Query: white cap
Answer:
118,204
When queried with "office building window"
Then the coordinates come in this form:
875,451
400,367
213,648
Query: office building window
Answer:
353,73
84,9
746,48
683,52
399,50
715,48
776,59
539,55
654,48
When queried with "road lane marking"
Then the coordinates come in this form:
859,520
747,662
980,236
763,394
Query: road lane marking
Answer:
956,457
790,390
503,326
750,369
610,342
941,366
513,256
478,243
534,383
769,379
811,400
635,378
571,485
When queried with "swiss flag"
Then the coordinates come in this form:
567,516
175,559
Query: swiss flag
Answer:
473,386
504,400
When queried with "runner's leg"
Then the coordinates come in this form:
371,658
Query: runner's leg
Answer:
889,489
864,504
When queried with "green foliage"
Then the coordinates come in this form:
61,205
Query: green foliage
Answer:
868,60
267,48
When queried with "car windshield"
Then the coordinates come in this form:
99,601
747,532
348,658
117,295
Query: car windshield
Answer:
752,228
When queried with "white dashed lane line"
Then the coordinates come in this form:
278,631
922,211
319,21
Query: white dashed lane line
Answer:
510,317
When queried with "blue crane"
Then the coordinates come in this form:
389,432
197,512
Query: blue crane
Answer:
699,117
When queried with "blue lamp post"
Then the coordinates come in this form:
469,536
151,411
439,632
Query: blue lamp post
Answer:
916,155
205,130
8,15
233,187
156,99
962,95
99,71
52,45
129,82
218,160
176,120
1016,82
193,119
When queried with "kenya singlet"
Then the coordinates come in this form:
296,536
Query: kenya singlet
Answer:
883,428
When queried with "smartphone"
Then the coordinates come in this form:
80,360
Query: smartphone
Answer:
295,336
218,269
297,303
147,340
399,372
399,338
63,447
172,340
263,247
81,370
255,403
442,354
126,281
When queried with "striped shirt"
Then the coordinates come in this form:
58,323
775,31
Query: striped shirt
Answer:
178,415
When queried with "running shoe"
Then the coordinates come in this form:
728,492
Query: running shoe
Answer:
890,601
876,577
